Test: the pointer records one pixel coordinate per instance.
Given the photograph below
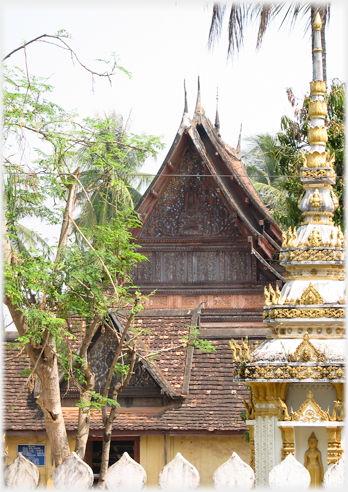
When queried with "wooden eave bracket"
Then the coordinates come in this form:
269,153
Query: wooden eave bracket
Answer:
269,267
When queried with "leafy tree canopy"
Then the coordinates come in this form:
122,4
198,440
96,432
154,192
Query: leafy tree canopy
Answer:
277,160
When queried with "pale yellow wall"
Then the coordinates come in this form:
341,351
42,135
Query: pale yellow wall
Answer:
11,443
206,453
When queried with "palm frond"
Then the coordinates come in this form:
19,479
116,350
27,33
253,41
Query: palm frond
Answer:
216,24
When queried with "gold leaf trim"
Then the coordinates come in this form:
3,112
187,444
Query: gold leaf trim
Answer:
306,352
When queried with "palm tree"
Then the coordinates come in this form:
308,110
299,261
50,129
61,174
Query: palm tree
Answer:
111,171
241,15
261,163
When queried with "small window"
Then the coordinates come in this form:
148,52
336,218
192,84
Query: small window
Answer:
117,448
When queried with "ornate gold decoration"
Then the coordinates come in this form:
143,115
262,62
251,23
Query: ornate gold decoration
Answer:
284,409
310,296
299,200
320,173
310,411
318,88
305,313
317,135
267,295
334,199
249,408
240,353
314,239
306,352
272,297
313,462
299,255
291,237
334,449
252,446
288,441
337,412
275,373
284,239
315,159
317,109
316,199
341,242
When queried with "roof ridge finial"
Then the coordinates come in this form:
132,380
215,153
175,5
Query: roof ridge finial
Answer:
186,106
217,119
198,103
239,138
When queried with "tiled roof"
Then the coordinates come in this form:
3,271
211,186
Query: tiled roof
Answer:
214,402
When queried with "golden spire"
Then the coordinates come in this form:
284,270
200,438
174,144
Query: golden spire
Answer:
317,23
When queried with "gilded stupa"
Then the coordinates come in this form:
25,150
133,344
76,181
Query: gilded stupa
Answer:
297,375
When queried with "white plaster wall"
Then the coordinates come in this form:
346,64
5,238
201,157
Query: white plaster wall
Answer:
301,443
324,395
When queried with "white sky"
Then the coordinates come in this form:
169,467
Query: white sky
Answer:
162,43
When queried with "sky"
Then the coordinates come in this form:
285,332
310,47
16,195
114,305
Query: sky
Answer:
162,44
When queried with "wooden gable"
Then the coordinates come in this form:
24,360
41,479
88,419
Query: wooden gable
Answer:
202,218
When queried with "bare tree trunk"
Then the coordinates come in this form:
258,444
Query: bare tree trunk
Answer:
44,361
84,413
106,448
108,420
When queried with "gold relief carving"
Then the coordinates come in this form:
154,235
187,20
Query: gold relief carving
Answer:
338,411
284,409
240,353
306,352
314,159
310,296
317,109
334,449
318,88
316,199
315,174
314,239
305,313
288,441
249,408
317,135
334,199
314,255
310,411
284,239
272,297
288,372
252,446
313,462
339,387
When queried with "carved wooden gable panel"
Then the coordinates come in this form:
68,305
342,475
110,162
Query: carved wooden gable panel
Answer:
101,356
191,206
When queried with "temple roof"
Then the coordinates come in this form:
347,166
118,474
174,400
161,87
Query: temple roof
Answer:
224,165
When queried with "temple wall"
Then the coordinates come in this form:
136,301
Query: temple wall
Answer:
214,301
11,446
206,453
